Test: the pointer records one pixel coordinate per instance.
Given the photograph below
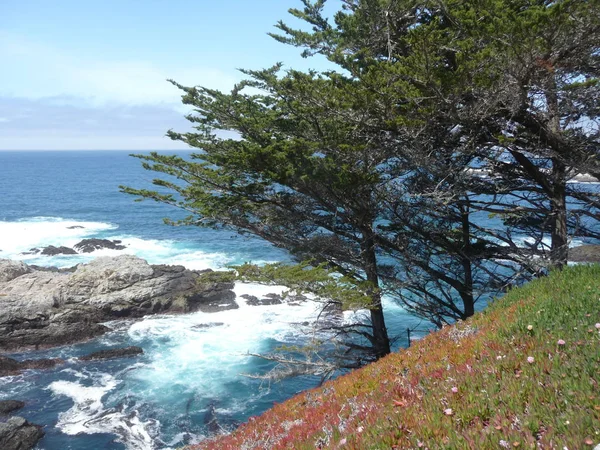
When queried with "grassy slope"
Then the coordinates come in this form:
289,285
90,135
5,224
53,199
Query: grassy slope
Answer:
500,398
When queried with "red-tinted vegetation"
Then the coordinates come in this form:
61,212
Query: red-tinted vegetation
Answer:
522,374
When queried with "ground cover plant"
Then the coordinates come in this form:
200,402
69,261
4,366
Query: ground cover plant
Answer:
521,374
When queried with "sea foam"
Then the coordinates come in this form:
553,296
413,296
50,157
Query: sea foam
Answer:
17,238
88,414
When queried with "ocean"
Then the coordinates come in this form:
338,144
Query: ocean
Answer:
162,399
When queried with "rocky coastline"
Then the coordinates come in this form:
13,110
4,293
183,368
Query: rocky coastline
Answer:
42,308
16,433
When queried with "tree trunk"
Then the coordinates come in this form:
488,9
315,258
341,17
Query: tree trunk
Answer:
558,203
467,292
381,341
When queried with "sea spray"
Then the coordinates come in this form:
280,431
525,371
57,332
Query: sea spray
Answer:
89,415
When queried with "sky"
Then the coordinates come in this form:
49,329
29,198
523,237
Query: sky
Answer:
91,74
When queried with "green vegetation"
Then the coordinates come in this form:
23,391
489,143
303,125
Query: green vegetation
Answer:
387,170
521,374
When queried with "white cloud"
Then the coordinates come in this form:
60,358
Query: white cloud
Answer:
58,124
65,142
37,70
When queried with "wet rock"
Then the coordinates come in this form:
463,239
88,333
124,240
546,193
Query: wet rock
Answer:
10,366
90,245
126,352
75,227
42,308
222,303
296,299
203,326
268,299
51,250
585,253
9,406
18,434
210,420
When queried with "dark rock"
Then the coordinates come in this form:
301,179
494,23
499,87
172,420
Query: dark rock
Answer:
268,299
585,253
126,352
75,227
210,420
9,366
201,326
8,406
18,434
41,363
43,333
90,245
296,299
51,250
223,303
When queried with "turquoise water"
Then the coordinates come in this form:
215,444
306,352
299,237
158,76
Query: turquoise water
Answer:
161,399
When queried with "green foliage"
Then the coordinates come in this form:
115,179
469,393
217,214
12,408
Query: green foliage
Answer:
376,171
217,276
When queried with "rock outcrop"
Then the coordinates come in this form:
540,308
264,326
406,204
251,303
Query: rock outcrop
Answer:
90,245
18,434
9,366
9,406
583,253
51,250
9,270
268,299
40,308
111,353
84,246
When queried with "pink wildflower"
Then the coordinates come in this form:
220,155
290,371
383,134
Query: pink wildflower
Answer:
561,342
454,389
448,411
530,359
598,326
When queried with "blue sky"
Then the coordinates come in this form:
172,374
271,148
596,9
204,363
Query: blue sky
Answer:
90,74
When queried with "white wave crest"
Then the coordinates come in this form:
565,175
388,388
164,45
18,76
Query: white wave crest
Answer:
89,416
17,238
210,350
20,236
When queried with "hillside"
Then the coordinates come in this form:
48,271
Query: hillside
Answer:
522,374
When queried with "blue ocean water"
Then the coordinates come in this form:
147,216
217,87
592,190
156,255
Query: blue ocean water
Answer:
161,399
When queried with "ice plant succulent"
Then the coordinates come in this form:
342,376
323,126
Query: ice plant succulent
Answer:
400,401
